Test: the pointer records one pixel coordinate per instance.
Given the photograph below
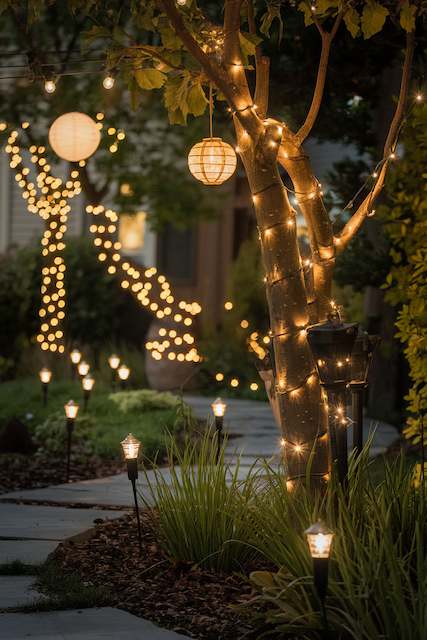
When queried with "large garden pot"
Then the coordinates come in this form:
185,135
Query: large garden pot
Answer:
165,374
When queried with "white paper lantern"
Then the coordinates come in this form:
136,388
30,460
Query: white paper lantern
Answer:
74,136
212,161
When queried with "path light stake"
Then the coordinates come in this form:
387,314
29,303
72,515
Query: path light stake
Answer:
114,362
75,357
331,343
361,358
218,407
71,411
123,373
83,368
45,378
130,446
319,539
87,384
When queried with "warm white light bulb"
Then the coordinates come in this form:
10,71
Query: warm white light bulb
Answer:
219,407
108,82
50,86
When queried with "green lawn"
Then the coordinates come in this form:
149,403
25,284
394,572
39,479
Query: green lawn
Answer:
106,425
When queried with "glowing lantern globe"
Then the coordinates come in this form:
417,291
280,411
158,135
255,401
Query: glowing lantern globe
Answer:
74,136
212,161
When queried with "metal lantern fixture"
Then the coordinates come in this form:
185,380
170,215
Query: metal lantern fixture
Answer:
75,356
319,539
219,408
87,383
74,136
331,343
71,411
123,373
361,358
83,368
131,446
45,375
212,161
114,362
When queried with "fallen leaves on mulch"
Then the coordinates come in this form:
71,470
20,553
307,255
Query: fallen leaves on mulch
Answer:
18,471
181,597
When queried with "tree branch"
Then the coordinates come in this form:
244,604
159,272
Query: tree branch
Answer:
327,38
353,225
262,66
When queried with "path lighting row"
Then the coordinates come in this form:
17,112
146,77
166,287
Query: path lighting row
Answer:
45,376
118,369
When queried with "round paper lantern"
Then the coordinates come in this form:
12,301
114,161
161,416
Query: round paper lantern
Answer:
212,161
74,136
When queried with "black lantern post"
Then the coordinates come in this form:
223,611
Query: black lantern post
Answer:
319,539
331,343
130,446
218,407
361,358
88,383
71,411
45,375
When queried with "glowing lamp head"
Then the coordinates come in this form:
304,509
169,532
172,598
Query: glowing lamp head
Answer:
319,539
123,372
88,383
114,361
108,82
219,407
74,136
83,368
71,410
130,446
75,356
212,161
45,375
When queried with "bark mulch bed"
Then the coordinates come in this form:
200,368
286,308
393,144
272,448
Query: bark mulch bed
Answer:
181,597
19,471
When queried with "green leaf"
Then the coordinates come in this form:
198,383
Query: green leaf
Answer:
308,14
407,16
373,18
150,78
196,100
263,579
352,21
272,13
248,43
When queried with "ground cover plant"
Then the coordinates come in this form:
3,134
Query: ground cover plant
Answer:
98,431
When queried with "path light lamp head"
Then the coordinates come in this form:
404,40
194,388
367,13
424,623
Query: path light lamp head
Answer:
219,408
71,410
83,368
88,383
130,446
45,375
123,372
319,539
75,356
114,361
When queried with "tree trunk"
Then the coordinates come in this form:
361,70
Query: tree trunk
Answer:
303,416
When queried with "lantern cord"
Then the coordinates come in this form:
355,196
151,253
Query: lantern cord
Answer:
210,110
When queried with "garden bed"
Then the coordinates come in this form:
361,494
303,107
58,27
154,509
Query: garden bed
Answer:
178,596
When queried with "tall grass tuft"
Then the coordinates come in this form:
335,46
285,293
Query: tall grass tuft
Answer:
205,512
378,567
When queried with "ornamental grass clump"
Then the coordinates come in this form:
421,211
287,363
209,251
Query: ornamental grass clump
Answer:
205,512
378,565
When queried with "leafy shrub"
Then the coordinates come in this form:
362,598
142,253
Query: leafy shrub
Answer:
378,581
51,435
144,400
204,509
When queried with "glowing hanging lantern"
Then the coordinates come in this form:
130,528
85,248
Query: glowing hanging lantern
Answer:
212,161
74,136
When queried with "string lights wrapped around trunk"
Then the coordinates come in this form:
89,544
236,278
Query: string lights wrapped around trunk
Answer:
212,161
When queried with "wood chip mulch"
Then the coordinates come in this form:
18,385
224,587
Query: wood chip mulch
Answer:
18,471
180,597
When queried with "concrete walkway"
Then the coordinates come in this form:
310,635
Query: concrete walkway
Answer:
29,532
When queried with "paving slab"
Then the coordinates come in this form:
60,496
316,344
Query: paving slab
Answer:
105,623
39,522
17,591
34,553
